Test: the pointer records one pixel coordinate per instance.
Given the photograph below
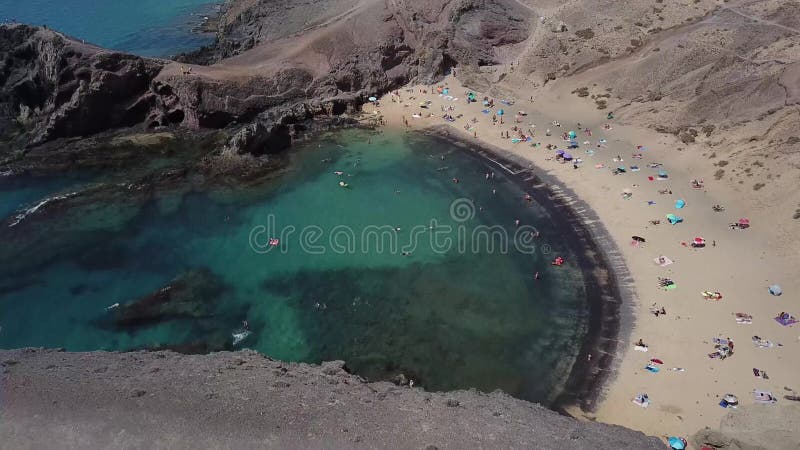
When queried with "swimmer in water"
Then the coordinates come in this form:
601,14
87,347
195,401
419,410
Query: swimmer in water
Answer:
536,276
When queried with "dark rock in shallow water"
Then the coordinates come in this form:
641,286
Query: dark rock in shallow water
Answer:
189,296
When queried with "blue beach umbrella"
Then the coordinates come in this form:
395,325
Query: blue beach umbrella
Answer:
572,134
676,443
500,112
680,203
567,157
775,290
662,174
559,152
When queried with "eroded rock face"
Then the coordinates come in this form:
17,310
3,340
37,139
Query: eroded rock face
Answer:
52,87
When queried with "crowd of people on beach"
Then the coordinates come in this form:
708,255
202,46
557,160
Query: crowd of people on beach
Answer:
563,148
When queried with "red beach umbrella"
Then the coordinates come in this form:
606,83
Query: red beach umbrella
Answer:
699,241
744,221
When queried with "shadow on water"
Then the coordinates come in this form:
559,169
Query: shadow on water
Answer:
444,335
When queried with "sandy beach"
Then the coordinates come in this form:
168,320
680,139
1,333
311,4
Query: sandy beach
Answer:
740,264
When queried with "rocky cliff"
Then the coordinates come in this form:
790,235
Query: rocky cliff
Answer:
55,399
273,67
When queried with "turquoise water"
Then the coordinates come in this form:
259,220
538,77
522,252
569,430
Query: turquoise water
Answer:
143,27
445,316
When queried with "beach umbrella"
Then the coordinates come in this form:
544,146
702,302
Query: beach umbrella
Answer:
663,174
744,222
699,241
676,443
572,134
559,152
680,203
637,238
500,112
573,144
673,219
567,156
775,290
373,99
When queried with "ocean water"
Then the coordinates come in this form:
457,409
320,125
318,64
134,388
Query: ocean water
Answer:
144,27
392,274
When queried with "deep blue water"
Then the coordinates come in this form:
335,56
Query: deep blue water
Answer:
143,27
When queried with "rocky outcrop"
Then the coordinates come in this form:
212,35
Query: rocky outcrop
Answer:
55,399
52,87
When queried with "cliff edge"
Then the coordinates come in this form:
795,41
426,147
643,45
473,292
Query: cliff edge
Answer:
242,399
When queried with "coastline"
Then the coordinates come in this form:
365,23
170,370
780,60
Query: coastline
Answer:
683,400
606,277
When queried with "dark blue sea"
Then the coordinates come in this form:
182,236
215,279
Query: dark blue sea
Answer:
143,27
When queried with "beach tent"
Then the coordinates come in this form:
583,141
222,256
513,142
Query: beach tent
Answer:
567,157
673,219
775,290
500,112
572,134
680,203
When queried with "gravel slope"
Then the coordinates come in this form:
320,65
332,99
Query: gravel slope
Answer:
53,399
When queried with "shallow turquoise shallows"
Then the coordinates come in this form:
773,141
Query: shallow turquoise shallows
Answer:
449,312
143,27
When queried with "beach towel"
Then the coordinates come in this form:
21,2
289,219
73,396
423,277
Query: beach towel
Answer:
662,261
599,166
516,141
786,320
744,319
640,348
670,287
764,397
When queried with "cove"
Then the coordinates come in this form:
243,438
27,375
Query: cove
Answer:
404,271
